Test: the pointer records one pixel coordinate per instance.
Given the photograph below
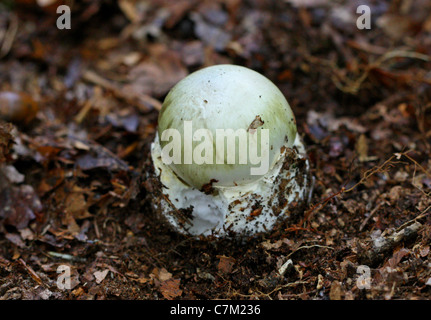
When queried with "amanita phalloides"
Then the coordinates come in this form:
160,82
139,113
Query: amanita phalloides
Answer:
227,156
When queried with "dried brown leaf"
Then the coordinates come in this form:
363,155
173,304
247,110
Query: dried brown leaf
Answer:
170,289
225,264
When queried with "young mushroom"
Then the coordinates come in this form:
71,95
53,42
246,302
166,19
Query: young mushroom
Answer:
226,157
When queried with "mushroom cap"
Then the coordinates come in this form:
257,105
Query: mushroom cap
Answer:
230,100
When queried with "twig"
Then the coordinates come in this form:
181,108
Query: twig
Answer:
287,285
428,174
93,77
308,247
65,256
268,295
364,223
9,36
385,244
30,270
367,174
356,84
353,86
422,215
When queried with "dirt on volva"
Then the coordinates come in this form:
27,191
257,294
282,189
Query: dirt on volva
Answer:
79,108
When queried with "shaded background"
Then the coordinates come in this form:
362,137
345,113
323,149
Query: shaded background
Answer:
79,109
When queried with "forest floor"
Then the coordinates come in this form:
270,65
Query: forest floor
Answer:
72,196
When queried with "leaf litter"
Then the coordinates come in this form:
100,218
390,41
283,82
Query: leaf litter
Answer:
74,144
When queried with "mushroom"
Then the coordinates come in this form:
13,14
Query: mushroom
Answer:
226,157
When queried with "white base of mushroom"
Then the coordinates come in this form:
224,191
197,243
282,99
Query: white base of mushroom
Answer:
242,210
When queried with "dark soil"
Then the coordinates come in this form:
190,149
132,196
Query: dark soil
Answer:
74,144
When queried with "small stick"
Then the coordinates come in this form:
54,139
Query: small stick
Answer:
30,270
9,36
65,256
387,243
93,77
364,223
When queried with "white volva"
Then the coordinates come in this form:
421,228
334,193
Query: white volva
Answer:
226,191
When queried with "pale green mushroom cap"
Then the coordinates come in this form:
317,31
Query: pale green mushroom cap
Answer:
227,97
